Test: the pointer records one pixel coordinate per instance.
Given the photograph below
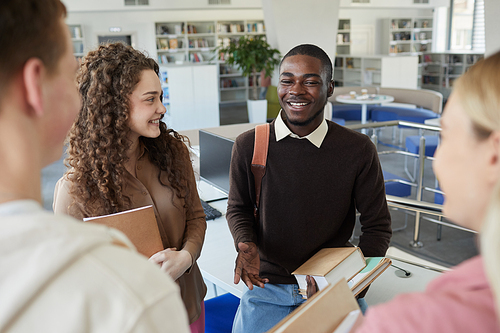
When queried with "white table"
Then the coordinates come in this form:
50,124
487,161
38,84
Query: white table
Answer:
364,100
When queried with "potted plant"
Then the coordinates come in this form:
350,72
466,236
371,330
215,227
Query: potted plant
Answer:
252,54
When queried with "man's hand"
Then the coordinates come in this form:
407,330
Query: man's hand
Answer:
312,286
248,266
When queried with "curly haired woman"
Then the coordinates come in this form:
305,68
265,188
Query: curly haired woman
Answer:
121,156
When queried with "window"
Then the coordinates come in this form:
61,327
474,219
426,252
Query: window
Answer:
478,29
136,2
467,25
219,2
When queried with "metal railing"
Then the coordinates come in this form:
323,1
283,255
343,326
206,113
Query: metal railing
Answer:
423,208
418,206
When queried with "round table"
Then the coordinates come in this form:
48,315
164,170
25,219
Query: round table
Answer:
364,100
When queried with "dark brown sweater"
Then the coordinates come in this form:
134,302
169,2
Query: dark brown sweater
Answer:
309,199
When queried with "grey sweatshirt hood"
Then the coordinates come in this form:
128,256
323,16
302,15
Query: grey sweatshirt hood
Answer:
36,246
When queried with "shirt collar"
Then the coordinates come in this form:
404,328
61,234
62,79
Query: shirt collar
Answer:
316,137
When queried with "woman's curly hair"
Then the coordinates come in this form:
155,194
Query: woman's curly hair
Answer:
97,141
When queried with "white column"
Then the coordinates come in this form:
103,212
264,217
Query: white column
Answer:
492,26
290,23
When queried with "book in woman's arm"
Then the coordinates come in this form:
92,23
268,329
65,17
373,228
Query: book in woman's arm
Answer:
138,224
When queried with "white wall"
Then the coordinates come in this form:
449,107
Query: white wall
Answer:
290,23
142,23
118,5
492,26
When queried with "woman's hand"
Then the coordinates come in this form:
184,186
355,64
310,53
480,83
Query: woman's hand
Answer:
172,262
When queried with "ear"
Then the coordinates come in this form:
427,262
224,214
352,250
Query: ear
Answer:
33,74
330,88
494,160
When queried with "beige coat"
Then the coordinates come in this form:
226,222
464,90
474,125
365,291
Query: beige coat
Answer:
182,228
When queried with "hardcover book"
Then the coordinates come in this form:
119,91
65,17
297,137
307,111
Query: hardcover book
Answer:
330,265
333,309
138,224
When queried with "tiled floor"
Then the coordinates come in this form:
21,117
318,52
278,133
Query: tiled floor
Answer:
454,247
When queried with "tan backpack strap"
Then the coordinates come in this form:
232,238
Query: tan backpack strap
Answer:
259,159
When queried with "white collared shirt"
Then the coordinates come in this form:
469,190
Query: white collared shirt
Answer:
316,137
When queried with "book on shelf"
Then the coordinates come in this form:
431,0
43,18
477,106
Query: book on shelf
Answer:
163,59
138,224
173,43
75,32
178,28
164,76
195,57
374,267
330,265
333,309
162,44
191,29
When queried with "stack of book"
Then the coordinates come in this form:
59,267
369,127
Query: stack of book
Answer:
331,265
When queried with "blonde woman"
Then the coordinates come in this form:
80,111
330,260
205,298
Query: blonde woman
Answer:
468,168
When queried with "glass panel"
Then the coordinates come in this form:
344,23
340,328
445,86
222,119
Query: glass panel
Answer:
461,25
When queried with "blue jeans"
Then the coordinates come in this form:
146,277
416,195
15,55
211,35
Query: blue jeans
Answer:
262,308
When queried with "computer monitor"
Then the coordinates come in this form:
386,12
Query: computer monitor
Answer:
215,158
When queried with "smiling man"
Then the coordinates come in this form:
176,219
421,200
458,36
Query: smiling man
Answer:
318,174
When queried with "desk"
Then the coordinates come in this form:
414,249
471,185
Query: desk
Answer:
364,100
218,254
218,257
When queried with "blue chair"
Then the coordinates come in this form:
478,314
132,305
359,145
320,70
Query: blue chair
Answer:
381,113
339,121
349,111
416,115
412,145
395,185
220,312
439,199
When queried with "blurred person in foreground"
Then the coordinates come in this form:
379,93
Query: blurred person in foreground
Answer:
467,164
58,275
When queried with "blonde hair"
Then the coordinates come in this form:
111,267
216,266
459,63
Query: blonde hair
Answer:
479,91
